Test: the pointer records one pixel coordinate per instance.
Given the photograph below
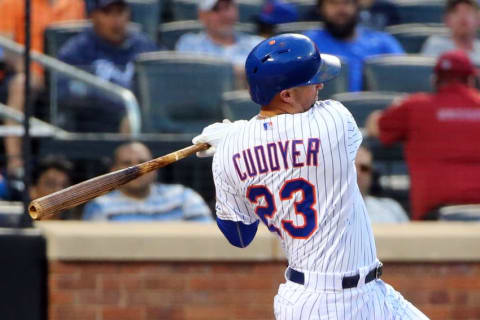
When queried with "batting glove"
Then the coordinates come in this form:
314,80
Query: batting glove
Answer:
213,134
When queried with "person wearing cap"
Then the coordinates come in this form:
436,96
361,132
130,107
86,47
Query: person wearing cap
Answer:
219,38
275,12
462,17
108,50
440,132
343,37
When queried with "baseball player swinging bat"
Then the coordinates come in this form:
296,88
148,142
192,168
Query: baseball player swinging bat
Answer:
70,197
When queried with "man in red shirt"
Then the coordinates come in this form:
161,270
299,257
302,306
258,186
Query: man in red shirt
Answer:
441,132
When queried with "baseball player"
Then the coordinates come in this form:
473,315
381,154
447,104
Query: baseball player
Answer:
292,167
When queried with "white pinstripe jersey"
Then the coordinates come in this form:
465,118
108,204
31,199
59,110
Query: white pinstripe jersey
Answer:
296,173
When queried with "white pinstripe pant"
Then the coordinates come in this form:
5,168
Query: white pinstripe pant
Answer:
375,300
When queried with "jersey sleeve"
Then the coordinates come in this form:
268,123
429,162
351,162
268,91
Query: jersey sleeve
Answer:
230,204
393,124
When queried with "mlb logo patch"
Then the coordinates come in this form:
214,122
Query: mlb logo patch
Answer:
268,125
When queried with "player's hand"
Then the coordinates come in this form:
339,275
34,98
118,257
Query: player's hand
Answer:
213,134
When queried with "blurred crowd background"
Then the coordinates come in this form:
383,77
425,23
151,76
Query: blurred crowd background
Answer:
114,83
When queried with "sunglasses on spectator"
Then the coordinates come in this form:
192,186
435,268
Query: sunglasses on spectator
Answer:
365,168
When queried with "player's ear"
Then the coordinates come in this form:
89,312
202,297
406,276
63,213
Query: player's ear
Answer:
286,96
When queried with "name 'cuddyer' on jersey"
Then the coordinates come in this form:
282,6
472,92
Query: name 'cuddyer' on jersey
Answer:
274,156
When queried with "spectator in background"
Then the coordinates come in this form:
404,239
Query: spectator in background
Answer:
51,174
275,12
12,25
462,18
143,199
380,210
342,37
219,39
378,14
107,50
440,132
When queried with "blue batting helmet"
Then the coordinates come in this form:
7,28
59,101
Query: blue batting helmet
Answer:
286,61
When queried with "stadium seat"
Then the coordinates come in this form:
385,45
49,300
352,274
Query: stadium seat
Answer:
361,104
181,92
58,33
297,27
306,9
397,73
147,13
412,36
237,105
187,9
421,11
170,32
336,85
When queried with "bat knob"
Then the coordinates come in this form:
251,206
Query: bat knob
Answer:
32,210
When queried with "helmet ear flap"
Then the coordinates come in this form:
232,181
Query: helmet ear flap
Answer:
282,62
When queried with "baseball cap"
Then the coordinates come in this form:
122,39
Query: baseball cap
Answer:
275,12
100,4
455,62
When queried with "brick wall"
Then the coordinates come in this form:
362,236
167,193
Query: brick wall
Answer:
210,291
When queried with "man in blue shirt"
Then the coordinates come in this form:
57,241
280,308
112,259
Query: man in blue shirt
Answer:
143,199
342,37
107,50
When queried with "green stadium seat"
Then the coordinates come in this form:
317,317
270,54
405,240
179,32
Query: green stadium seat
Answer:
412,36
399,73
237,105
57,34
361,104
181,93
420,11
146,13
170,32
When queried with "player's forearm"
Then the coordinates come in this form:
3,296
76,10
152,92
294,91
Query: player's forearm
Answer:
237,233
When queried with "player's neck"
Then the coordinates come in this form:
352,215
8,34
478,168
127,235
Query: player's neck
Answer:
263,114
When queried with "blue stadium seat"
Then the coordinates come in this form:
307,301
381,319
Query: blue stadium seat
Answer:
170,32
237,105
412,36
399,73
181,93
420,11
361,104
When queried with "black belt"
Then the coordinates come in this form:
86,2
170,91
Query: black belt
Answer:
347,282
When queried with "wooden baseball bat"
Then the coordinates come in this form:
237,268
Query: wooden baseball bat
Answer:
75,195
